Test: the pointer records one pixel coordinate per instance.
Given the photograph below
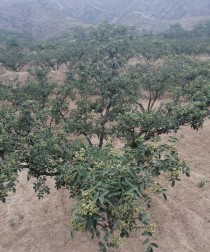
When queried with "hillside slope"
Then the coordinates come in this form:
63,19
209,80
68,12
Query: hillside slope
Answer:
44,18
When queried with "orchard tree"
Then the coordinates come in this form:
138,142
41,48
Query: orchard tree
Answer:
187,86
102,82
60,51
14,58
69,132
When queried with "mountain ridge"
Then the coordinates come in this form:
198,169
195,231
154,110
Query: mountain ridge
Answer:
44,18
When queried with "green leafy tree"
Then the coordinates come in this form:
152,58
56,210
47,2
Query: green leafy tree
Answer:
186,84
14,58
60,51
102,83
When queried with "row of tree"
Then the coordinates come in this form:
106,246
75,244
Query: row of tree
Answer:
17,50
68,131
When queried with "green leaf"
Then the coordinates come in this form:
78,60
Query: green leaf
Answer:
164,196
128,191
114,194
95,197
107,236
146,241
173,183
109,202
132,172
72,233
98,234
187,174
135,188
154,245
124,233
149,248
102,247
101,199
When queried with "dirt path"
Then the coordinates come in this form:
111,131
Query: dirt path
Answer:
31,225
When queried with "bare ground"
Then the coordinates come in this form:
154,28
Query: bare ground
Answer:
183,222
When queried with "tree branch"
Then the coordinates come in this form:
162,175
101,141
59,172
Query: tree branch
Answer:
155,98
87,138
39,173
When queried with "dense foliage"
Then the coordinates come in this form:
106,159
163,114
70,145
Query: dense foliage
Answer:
69,131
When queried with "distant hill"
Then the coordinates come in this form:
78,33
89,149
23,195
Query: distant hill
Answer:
44,18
